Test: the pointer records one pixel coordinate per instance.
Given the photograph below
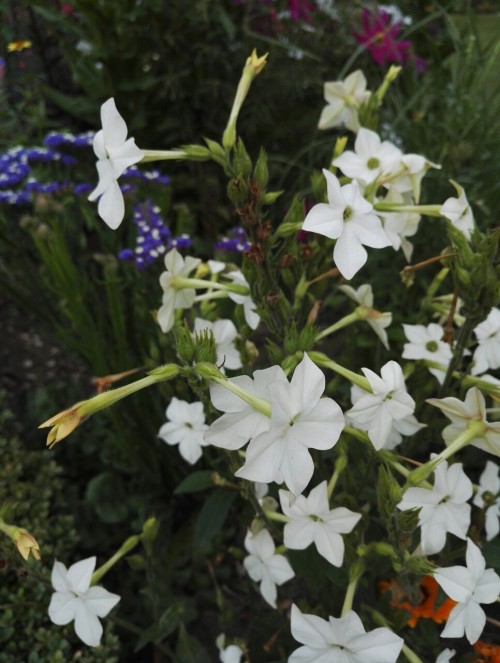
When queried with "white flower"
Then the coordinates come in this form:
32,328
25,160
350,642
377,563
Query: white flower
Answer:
445,656
263,566
389,402
115,154
469,586
341,640
312,521
185,427
487,353
400,225
408,176
371,158
300,419
174,298
241,421
216,266
225,334
473,408
443,508
458,211
249,306
489,482
74,599
343,101
229,654
378,321
427,343
349,219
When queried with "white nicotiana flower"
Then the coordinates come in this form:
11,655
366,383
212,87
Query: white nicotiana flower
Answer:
458,211
427,343
341,640
400,225
371,158
225,334
216,266
445,656
174,298
241,421
246,301
462,414
468,586
408,176
376,412
489,483
185,427
300,419
487,353
378,321
115,154
406,426
229,654
343,100
74,599
264,566
349,219
443,508
312,521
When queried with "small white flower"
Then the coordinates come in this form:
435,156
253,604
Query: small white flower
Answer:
443,508
312,521
445,656
389,402
427,343
370,159
349,219
378,321
174,298
229,654
225,334
263,566
300,419
115,154
185,427
341,640
408,176
343,101
473,408
489,482
487,353
252,318
74,599
468,586
400,225
458,211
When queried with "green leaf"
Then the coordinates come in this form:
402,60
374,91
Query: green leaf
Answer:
194,482
190,650
211,517
107,494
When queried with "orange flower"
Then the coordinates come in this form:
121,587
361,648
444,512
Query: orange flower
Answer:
19,45
426,608
105,382
487,653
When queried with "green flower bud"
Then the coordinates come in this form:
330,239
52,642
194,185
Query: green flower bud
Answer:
261,171
242,164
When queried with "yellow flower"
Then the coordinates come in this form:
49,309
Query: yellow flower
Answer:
63,424
26,544
19,45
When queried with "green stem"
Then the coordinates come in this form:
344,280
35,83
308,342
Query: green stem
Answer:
428,210
410,655
211,295
278,517
126,547
163,155
462,341
349,596
340,324
325,362
182,282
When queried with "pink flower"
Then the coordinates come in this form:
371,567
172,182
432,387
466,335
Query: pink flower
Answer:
301,10
380,37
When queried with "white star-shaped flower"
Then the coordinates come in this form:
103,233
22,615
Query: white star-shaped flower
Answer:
264,566
378,321
468,586
343,100
349,219
443,508
229,654
115,154
487,353
185,427
489,482
341,640
300,419
473,408
251,316
75,600
458,211
370,159
174,298
312,521
427,343
400,225
408,176
225,334
375,412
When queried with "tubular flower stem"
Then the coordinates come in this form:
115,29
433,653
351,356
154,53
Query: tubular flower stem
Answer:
428,210
325,362
278,517
347,320
163,155
66,421
124,549
180,282
410,655
349,596
211,372
340,466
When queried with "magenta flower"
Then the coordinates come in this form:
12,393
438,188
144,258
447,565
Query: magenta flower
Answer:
301,10
380,37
